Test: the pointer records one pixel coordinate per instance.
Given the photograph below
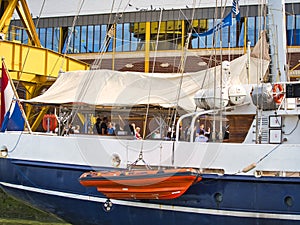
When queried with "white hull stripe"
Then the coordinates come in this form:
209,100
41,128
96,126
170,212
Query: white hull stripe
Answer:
157,206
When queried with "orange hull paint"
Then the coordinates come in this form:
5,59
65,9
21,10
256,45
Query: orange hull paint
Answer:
142,184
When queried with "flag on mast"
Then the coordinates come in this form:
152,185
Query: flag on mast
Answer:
236,10
11,117
225,22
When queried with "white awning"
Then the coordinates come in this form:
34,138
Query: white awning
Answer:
113,88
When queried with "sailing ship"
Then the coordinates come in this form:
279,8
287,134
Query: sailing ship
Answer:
250,178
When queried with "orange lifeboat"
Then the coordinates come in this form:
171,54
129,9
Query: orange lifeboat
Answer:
142,184
49,122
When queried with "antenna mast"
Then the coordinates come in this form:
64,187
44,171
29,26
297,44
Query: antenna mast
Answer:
277,28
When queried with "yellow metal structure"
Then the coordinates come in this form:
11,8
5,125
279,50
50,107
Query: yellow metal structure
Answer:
169,31
36,65
147,47
33,67
167,27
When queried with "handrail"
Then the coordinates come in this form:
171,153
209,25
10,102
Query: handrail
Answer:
196,114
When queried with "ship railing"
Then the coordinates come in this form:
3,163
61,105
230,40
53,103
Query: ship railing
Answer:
195,115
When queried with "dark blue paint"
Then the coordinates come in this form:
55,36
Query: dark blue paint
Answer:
237,193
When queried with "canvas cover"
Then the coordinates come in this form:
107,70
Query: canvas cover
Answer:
113,88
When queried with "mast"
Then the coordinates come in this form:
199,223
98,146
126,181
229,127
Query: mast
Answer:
277,36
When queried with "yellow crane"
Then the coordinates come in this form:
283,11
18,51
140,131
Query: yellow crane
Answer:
33,67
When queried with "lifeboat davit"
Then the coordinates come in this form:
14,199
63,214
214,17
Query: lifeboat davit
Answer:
142,184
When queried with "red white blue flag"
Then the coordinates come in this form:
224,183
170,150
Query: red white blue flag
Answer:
11,115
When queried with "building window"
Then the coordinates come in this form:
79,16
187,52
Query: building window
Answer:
119,38
56,37
225,37
97,40
209,38
233,34
297,31
127,38
131,36
260,25
90,39
251,30
76,39
134,40
42,36
106,42
241,36
83,39
293,30
49,38
24,37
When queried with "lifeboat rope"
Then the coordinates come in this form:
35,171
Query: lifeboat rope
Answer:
253,165
292,131
140,158
18,140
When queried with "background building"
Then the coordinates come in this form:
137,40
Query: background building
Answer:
126,38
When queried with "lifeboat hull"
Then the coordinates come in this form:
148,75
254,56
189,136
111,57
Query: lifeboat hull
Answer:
142,184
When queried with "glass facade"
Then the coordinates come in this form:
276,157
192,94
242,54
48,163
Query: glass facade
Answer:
293,30
130,37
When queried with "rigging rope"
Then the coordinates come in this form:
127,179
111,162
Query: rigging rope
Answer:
18,82
72,31
29,47
85,85
110,33
150,77
104,46
181,67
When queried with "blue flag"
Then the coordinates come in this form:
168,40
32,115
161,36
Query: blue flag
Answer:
227,21
236,10
14,121
11,115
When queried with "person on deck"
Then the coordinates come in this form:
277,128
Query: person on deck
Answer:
96,128
205,132
137,133
103,126
201,137
77,129
110,129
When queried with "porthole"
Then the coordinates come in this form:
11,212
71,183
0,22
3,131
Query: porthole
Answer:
288,200
218,197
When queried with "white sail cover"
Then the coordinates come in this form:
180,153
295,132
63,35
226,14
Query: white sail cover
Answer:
113,88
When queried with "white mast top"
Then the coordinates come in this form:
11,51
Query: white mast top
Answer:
277,35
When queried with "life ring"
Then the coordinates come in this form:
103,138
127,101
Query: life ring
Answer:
278,93
49,122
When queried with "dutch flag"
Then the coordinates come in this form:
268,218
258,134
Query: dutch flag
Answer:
11,115
236,9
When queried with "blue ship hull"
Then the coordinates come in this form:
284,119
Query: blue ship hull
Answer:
228,199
